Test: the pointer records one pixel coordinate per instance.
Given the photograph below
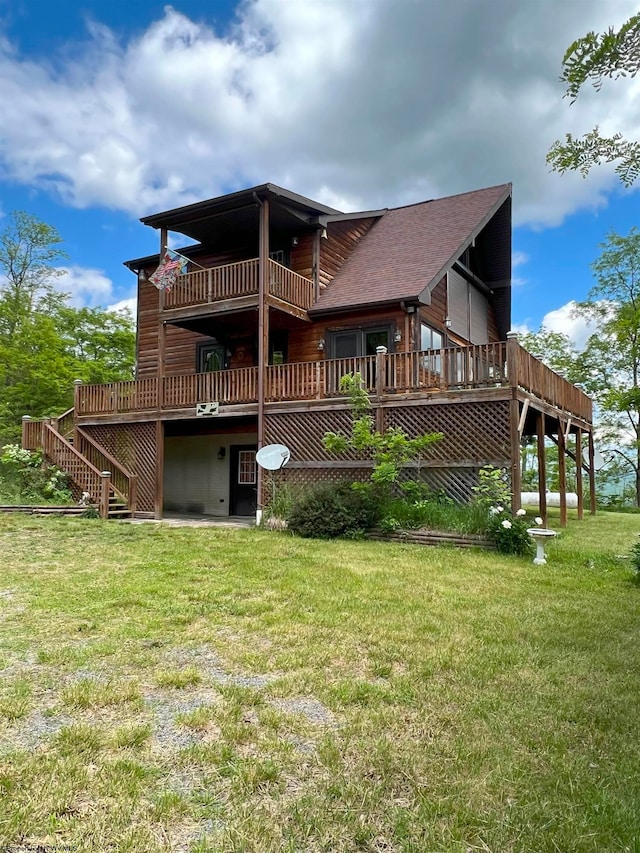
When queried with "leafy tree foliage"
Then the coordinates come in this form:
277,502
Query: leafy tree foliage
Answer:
610,363
593,58
46,343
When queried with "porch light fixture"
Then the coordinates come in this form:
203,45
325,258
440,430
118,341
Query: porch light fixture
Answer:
222,452
294,241
142,275
321,344
447,322
398,336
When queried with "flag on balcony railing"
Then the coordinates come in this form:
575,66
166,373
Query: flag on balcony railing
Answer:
171,266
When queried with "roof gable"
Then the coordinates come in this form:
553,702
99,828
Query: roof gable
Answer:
408,250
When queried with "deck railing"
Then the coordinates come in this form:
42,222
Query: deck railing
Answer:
229,281
450,369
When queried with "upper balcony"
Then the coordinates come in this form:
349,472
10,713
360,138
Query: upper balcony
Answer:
235,287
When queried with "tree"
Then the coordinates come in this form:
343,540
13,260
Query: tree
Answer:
45,343
592,58
610,363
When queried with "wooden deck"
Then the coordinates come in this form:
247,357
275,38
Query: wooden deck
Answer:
205,287
496,365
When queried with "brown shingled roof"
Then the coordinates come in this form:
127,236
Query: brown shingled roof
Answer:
409,248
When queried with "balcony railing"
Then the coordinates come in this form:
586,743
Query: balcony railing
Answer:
451,369
230,281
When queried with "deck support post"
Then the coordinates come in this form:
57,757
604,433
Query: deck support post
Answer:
381,364
105,483
162,329
516,477
542,469
263,335
159,490
579,485
562,473
592,475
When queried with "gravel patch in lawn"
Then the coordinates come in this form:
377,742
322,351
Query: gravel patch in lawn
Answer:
209,664
32,730
312,709
169,735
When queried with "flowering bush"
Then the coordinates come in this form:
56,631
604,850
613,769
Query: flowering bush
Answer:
508,531
26,477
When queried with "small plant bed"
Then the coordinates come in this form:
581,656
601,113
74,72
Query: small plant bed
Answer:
433,537
46,509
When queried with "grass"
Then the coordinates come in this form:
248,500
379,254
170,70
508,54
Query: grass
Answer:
203,689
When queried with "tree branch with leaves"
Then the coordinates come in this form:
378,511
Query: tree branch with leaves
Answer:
592,59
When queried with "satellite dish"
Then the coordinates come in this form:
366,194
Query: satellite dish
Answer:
273,456
599,460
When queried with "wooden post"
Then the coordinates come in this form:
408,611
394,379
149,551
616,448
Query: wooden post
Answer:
316,263
159,491
263,332
513,352
562,474
516,478
579,486
381,364
592,475
162,329
105,483
133,493
25,433
542,469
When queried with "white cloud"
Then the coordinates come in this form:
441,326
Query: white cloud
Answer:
85,286
357,104
562,319
124,305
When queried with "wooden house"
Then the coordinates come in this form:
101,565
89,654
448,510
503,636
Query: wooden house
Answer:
278,297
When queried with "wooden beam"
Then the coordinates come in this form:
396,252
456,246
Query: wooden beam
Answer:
516,482
159,491
567,432
288,308
542,468
263,330
592,476
523,417
562,476
579,486
234,305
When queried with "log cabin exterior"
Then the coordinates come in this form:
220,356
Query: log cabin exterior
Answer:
279,297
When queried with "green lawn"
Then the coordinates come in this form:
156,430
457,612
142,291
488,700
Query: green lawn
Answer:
181,689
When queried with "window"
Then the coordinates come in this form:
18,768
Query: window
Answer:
278,346
246,467
352,343
281,256
211,356
430,339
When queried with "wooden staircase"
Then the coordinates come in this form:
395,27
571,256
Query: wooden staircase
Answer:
92,469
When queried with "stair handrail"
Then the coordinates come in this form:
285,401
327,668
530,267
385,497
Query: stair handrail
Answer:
60,424
50,435
128,481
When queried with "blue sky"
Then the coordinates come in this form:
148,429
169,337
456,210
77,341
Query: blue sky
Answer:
111,110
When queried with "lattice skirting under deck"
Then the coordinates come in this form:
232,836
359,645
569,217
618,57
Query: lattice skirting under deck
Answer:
474,435
134,445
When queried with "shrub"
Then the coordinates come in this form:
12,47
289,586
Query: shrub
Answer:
329,510
509,532
26,477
